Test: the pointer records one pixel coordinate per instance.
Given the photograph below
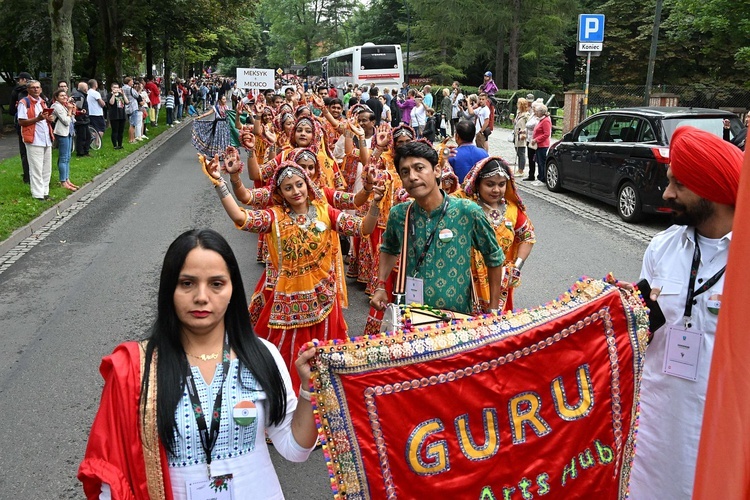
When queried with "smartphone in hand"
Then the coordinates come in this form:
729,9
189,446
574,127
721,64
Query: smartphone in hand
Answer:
656,317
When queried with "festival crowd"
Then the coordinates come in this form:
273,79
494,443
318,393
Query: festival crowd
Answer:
367,186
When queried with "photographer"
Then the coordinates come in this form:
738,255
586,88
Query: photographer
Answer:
406,106
83,135
118,103
456,98
463,111
481,116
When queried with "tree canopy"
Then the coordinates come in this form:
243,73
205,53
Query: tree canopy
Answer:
526,43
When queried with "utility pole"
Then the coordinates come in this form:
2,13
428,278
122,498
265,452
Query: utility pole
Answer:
652,54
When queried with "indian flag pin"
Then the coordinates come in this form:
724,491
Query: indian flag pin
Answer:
244,413
445,235
713,304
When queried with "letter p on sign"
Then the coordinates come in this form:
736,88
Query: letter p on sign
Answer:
591,28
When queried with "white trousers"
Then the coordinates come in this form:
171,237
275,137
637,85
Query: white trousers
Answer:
40,169
139,124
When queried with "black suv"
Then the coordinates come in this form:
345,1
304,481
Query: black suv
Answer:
621,156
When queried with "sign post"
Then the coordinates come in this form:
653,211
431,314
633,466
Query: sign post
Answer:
590,39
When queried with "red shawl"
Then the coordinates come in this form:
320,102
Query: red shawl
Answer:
115,454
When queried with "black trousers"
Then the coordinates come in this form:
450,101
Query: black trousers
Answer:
24,159
532,162
83,139
118,127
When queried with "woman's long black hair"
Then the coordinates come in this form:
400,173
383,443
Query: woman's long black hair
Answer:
165,337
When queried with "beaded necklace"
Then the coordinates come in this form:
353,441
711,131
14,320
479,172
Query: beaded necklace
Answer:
304,221
496,216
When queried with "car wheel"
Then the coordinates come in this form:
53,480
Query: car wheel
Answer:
629,203
553,176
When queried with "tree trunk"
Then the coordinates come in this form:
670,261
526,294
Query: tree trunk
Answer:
500,57
90,64
149,53
61,12
167,65
513,47
112,29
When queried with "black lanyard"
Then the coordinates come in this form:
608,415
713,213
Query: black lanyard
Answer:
412,232
691,292
208,439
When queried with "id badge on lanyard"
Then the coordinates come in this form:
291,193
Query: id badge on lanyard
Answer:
414,291
415,286
683,353
216,488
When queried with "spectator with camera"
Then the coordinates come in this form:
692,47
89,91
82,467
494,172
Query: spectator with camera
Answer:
456,108
118,103
481,116
406,106
83,135
35,119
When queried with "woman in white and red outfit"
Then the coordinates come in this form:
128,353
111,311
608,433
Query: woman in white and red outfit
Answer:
541,137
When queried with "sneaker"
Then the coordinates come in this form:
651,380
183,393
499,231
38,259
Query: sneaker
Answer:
144,137
537,183
177,121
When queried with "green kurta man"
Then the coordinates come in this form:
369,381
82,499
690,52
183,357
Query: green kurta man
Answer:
441,231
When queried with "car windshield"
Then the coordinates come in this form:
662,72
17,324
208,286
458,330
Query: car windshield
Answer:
713,124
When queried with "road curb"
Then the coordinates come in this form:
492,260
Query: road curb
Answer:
29,229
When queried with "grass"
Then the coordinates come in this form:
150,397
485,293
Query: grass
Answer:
18,208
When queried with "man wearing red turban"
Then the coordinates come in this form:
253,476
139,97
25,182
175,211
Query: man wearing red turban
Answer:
685,266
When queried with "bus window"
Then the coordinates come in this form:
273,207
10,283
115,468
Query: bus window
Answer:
378,58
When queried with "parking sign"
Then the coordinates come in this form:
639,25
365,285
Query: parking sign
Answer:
591,28
590,34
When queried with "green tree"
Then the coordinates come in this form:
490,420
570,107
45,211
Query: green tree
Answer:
377,22
717,32
24,37
303,29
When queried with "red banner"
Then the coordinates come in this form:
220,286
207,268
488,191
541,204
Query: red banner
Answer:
540,402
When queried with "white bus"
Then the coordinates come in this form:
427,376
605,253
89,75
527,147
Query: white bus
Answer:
366,65
316,71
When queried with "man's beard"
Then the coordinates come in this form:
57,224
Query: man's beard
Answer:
693,215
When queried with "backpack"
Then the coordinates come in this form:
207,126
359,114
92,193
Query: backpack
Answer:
134,100
491,105
395,113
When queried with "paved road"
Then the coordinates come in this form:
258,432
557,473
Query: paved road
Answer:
91,284
8,145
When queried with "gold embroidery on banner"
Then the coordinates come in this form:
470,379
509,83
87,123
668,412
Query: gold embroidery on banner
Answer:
346,467
149,431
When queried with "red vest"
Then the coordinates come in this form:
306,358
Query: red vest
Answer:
27,131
